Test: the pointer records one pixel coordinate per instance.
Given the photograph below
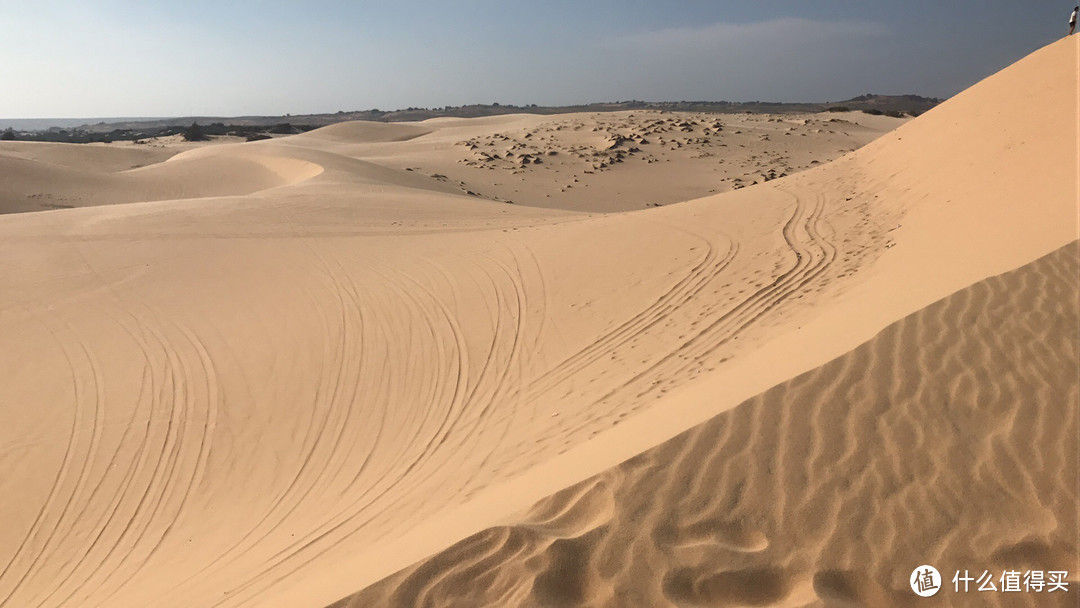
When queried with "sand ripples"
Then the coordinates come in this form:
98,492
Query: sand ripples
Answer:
914,448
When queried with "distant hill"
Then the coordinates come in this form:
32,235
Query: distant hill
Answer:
42,124
891,103
261,126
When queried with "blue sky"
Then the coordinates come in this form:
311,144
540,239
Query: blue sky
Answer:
199,57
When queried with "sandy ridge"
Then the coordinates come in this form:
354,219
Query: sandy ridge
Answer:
830,487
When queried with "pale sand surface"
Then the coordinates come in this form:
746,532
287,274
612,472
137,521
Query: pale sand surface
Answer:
303,367
582,162
615,161
950,438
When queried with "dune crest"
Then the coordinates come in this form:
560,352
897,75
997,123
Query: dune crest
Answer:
913,448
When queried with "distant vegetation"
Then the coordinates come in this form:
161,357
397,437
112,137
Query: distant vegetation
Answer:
892,113
254,128
194,133
8,134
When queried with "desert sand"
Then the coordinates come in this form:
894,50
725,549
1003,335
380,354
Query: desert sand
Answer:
376,362
619,161
916,446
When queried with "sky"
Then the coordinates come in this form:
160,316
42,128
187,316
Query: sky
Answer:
218,58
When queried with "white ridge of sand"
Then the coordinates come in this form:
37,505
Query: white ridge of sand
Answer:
297,367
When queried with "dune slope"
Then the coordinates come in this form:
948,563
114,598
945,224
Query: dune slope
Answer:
278,389
950,438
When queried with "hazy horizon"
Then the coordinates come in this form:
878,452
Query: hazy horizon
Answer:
75,121
199,58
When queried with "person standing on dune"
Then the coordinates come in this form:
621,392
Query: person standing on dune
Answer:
1072,20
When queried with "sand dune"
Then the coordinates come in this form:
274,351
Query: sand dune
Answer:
361,132
563,170
832,487
298,366
632,160
92,157
31,183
